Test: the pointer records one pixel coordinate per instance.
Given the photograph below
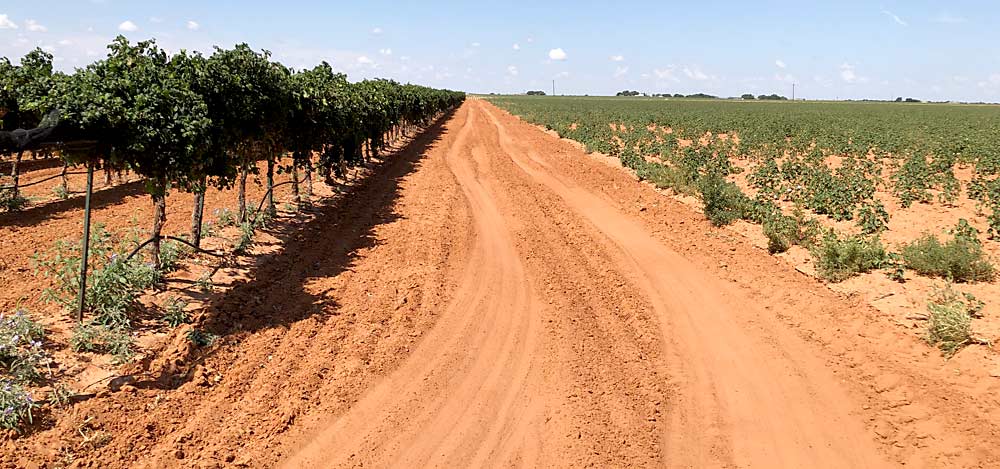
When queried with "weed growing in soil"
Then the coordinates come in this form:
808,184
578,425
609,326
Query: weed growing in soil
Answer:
60,396
961,260
839,259
171,252
16,405
103,338
113,289
873,218
950,320
201,338
783,232
23,361
208,229
896,268
113,285
60,192
21,353
246,238
224,217
9,202
204,283
724,202
176,313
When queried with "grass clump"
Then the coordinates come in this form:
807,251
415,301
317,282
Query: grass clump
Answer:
838,259
960,260
950,320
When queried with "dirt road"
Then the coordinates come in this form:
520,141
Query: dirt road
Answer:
495,297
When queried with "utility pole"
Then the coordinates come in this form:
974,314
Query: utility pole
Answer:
793,91
553,87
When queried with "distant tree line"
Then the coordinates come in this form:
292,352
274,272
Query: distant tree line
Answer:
907,100
535,93
666,95
764,97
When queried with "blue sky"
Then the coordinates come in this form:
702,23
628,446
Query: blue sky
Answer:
849,49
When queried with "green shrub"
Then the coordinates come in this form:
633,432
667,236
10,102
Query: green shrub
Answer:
961,260
724,202
839,259
950,320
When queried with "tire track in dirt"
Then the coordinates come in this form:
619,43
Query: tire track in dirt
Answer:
920,410
734,403
457,397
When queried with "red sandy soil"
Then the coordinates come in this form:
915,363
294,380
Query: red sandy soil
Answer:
492,296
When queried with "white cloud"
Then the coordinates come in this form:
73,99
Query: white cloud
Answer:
33,26
948,18
155,19
6,23
666,74
128,26
895,18
385,51
65,42
376,30
193,25
557,54
993,81
620,71
364,60
516,46
512,70
780,64
562,75
784,77
695,74
849,75
617,58
476,44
